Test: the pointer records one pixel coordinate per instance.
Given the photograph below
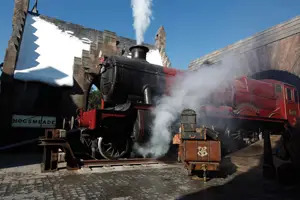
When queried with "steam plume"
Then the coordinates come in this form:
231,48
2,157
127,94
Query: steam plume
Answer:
141,14
189,91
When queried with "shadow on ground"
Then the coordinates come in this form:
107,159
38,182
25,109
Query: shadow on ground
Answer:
249,185
21,156
248,182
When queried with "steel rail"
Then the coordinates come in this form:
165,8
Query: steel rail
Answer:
120,162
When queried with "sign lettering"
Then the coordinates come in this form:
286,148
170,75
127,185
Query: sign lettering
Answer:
30,121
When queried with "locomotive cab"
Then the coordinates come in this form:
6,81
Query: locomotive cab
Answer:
291,103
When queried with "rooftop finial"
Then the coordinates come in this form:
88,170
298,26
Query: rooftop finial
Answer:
34,8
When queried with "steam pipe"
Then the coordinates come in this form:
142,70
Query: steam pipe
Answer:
147,95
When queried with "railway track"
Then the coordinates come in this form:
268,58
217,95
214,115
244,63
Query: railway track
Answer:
120,162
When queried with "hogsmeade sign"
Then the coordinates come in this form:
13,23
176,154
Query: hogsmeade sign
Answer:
30,121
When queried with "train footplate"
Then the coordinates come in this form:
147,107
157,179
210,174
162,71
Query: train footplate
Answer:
56,150
199,148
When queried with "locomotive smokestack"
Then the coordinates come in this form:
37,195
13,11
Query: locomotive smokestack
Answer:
139,52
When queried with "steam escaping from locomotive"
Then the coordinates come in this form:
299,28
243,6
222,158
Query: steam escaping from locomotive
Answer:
190,90
142,16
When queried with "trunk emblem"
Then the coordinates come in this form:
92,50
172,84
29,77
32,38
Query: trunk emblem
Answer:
202,151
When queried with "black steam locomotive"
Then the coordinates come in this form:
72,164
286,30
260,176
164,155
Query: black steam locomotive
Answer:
128,88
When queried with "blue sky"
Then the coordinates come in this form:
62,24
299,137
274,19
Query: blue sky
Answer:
194,27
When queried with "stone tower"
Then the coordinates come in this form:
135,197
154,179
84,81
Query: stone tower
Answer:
160,44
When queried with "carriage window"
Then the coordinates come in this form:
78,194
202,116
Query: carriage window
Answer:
277,88
296,95
289,94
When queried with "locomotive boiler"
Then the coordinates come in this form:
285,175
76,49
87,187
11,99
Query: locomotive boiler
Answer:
133,80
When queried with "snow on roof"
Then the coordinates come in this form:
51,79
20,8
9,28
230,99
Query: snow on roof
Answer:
47,53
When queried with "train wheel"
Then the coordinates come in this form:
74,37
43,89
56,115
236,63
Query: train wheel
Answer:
113,150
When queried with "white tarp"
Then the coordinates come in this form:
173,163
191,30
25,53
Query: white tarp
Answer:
47,53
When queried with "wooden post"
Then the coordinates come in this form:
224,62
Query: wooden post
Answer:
269,170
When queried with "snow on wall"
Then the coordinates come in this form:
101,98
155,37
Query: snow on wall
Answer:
47,53
153,57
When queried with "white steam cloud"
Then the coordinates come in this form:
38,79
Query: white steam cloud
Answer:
189,91
142,17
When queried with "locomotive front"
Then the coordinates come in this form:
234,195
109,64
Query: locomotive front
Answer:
134,80
128,87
